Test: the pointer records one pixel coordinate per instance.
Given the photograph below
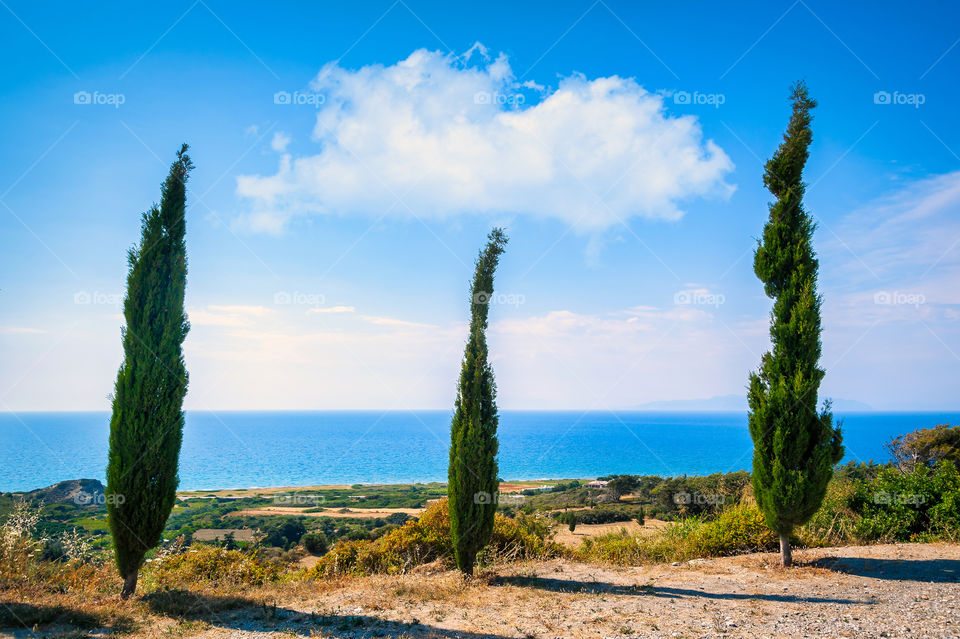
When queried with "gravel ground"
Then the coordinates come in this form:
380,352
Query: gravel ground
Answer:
897,590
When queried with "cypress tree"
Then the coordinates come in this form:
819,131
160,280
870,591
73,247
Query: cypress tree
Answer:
146,428
473,485
795,446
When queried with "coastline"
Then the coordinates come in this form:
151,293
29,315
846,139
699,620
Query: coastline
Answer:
510,486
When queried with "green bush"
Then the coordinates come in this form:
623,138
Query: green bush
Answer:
739,529
427,539
599,515
314,542
213,565
922,505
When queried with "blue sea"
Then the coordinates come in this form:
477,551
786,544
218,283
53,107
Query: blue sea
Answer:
258,449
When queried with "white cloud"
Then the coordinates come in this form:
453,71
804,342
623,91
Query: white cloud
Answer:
280,142
451,138
898,258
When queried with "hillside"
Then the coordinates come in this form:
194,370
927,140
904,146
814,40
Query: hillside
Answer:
81,492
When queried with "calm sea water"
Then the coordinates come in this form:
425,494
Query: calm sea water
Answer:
255,449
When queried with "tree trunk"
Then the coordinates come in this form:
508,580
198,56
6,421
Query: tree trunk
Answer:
786,553
129,585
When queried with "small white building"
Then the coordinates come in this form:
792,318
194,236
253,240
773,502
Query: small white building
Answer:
597,483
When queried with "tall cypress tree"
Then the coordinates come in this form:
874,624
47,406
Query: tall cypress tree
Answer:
472,474
795,446
146,428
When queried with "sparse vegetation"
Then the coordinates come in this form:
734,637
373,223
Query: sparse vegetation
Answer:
428,540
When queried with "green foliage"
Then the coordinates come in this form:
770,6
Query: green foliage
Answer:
678,497
835,522
211,565
283,533
314,542
795,446
621,485
429,539
926,446
739,529
146,428
472,472
922,505
600,515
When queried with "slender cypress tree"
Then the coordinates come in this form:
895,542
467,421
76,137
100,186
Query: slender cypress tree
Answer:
473,483
795,446
146,428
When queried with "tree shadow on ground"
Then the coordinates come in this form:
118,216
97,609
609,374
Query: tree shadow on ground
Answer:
599,587
27,615
941,571
239,613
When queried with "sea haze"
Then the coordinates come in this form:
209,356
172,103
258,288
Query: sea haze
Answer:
253,449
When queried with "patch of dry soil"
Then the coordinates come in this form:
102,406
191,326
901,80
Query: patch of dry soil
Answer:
575,538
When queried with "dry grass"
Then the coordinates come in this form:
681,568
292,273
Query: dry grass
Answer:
873,588
583,531
213,534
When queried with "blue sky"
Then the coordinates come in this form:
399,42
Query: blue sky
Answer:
331,235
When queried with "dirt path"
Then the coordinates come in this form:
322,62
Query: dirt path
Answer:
904,590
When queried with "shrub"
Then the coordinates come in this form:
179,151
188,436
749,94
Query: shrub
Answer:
314,542
739,529
922,505
427,539
19,550
283,533
214,566
835,523
926,446
600,515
